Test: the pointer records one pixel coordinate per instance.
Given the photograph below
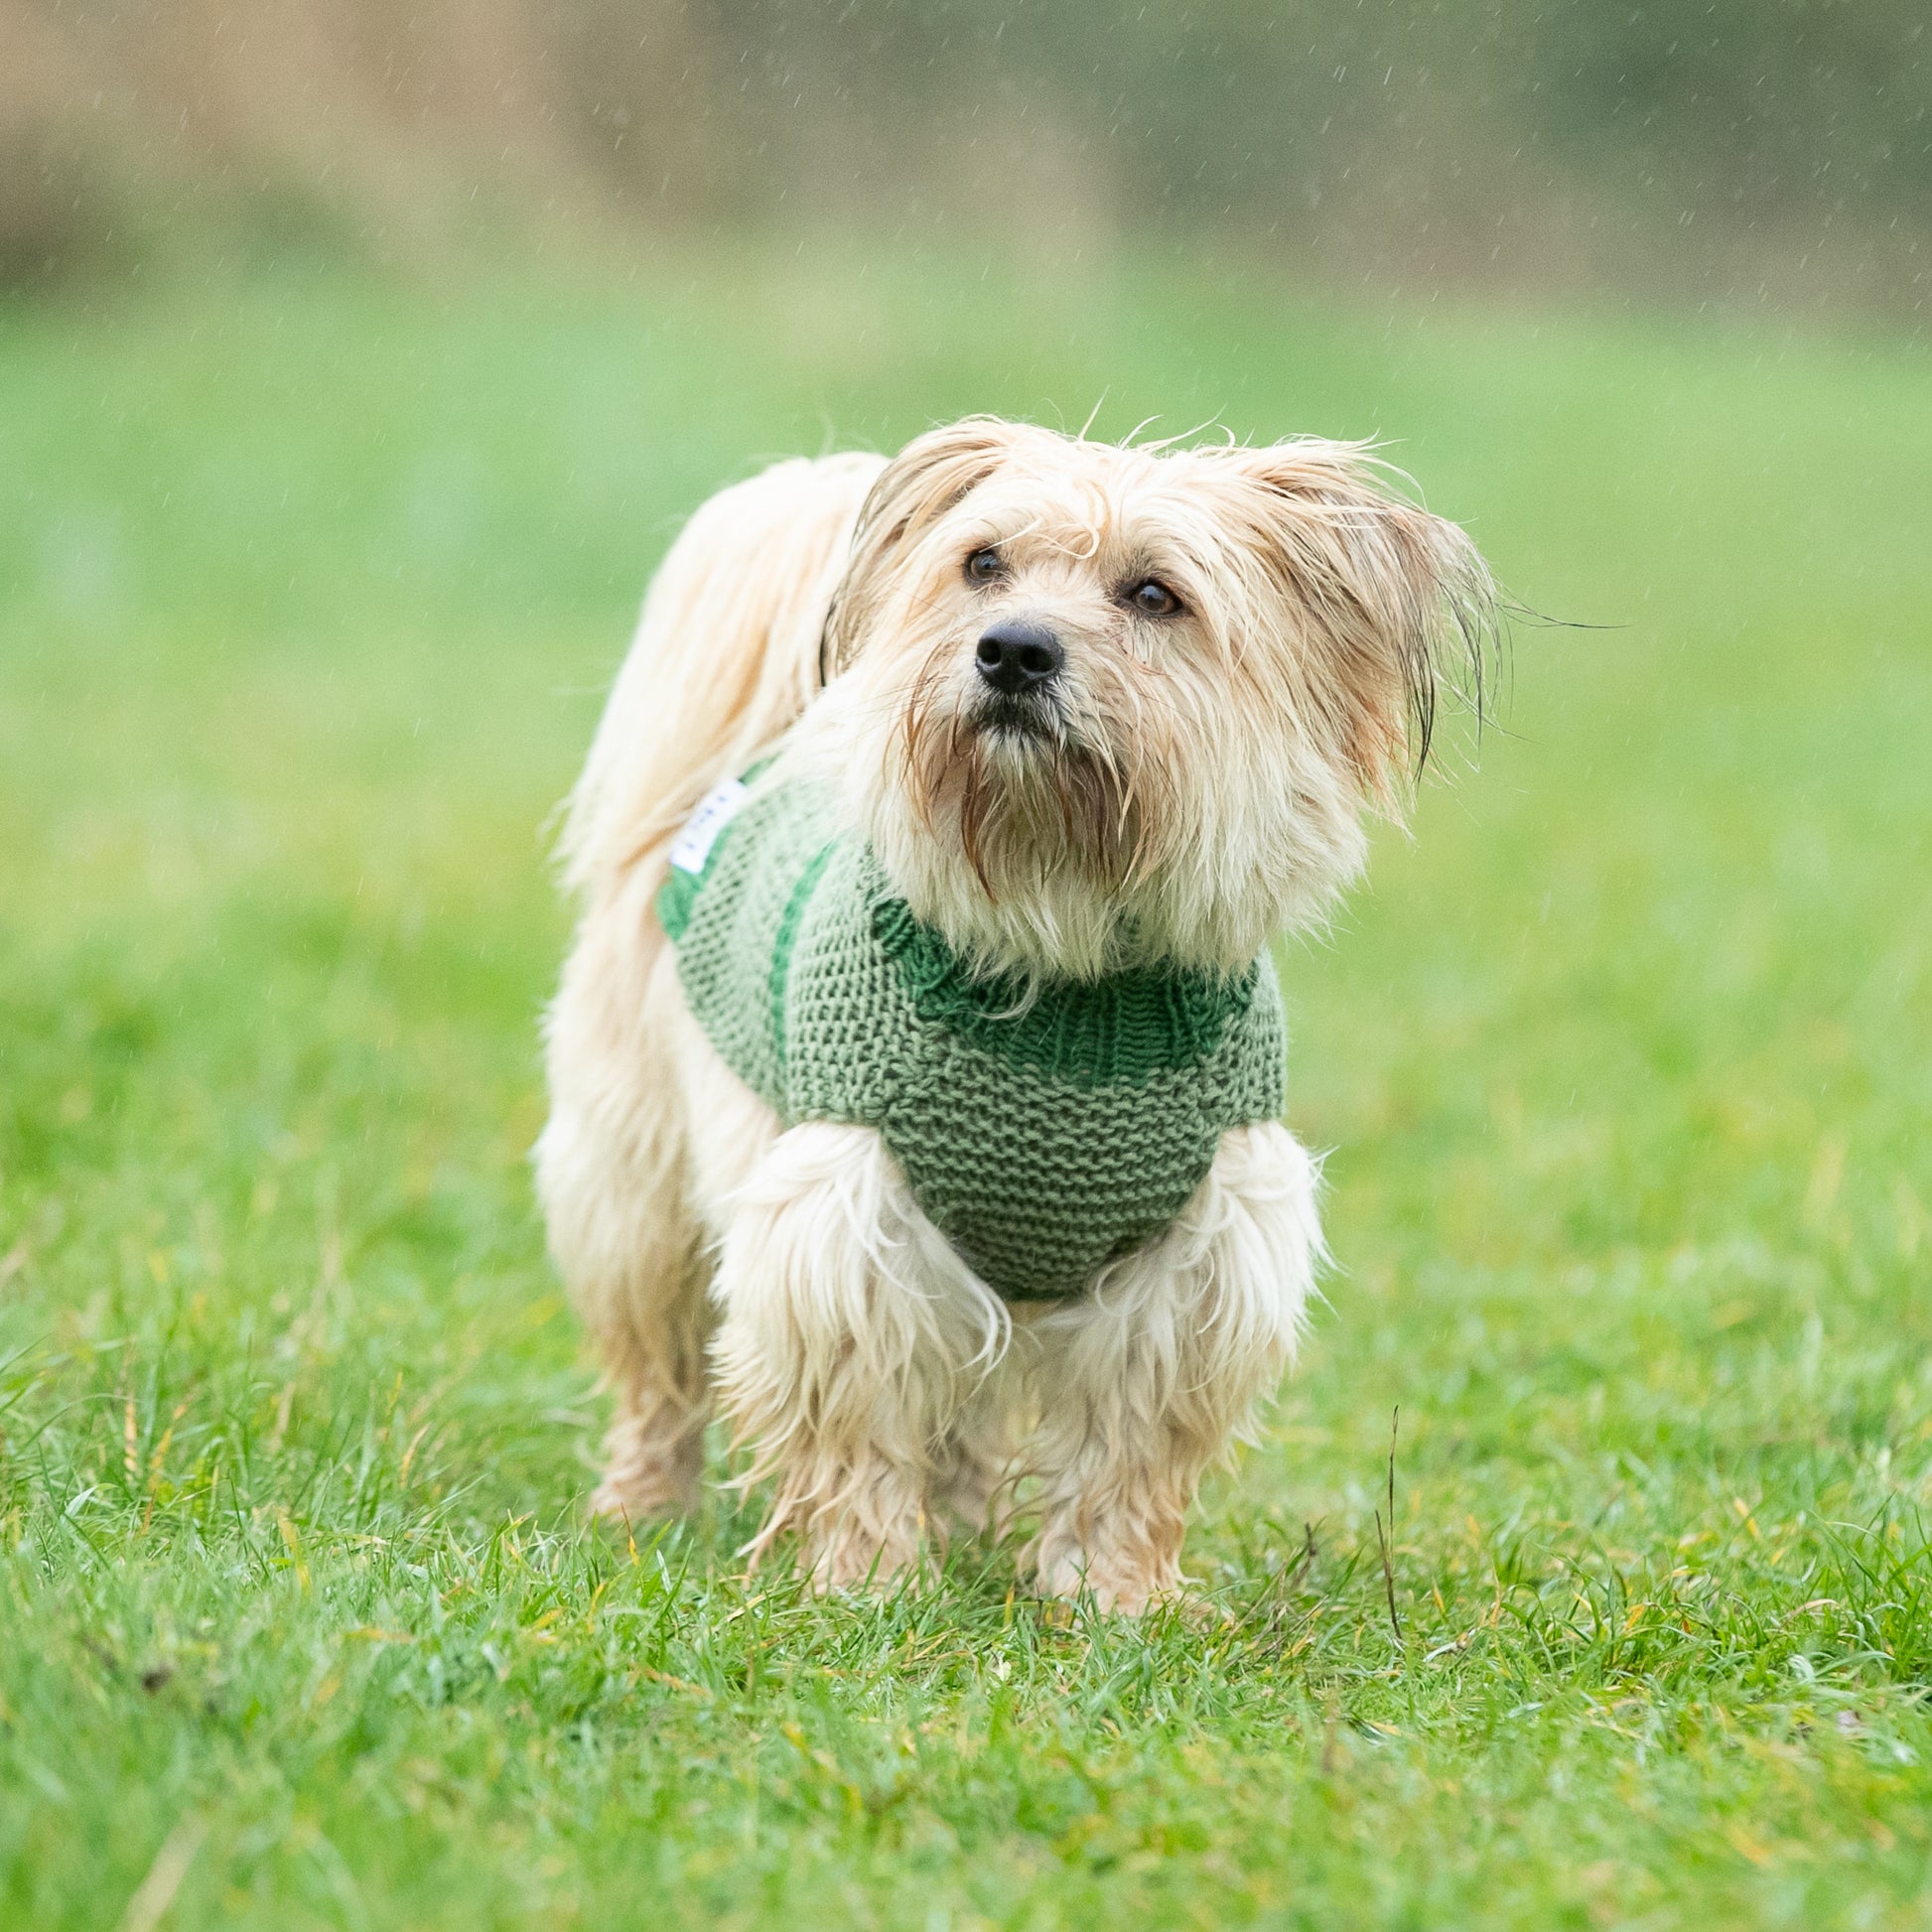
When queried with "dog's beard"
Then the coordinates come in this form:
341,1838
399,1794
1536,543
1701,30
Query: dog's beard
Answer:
1024,788
1124,817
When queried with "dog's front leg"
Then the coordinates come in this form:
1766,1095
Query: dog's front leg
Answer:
850,1336
1146,1380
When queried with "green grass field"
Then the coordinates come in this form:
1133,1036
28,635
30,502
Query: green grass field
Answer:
308,591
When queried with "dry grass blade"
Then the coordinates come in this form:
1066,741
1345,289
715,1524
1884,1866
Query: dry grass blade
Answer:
156,1893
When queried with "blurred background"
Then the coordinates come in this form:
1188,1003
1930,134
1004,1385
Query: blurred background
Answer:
358,360
1744,153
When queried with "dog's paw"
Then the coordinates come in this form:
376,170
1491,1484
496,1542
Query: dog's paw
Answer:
1116,1584
649,1473
1110,1596
849,1562
623,1504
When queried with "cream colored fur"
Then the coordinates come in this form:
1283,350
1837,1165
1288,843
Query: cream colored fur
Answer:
1192,783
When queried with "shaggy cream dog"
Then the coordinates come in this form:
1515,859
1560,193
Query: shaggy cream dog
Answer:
1087,717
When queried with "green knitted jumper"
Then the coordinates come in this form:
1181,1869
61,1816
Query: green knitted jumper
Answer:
1042,1137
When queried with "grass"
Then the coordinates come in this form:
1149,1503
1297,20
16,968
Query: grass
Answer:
310,588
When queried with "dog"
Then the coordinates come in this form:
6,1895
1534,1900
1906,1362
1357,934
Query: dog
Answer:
916,1070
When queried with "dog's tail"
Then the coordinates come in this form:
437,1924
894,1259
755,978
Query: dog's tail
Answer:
726,658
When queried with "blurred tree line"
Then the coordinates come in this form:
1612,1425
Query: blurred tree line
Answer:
1724,150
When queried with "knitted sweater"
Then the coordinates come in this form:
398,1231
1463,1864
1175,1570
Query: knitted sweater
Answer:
1042,1137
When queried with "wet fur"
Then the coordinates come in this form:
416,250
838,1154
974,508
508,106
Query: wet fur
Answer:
1188,787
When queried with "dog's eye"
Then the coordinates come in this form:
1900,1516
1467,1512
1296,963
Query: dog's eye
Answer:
982,566
1152,599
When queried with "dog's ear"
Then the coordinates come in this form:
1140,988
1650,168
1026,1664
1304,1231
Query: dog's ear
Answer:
918,486
1396,602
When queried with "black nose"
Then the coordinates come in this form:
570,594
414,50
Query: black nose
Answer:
1016,656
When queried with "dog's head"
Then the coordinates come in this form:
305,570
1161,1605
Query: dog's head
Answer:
1097,706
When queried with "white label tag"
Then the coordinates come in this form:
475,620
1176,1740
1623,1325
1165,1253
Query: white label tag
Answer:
700,833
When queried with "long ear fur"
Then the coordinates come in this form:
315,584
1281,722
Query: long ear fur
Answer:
1399,601
918,488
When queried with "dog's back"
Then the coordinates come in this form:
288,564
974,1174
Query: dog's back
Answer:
725,660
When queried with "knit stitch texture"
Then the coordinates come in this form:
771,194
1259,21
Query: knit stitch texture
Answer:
1043,1136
